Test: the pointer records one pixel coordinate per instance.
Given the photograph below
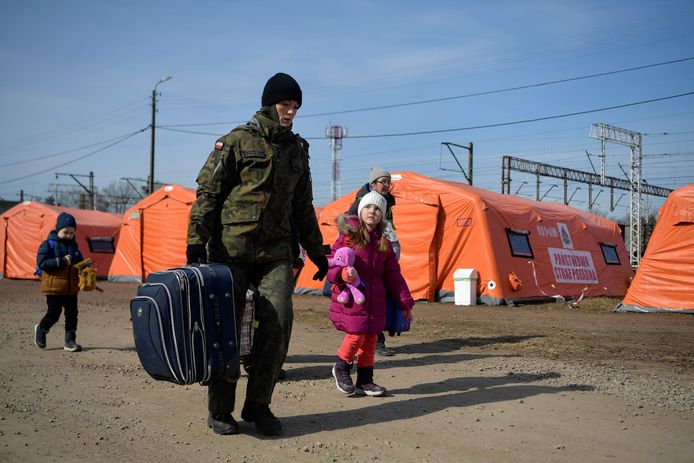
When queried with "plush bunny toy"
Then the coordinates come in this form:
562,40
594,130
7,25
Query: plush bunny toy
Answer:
344,257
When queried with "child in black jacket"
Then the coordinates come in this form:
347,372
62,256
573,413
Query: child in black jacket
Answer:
56,260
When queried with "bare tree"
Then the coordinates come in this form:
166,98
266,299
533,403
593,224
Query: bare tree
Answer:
66,195
119,196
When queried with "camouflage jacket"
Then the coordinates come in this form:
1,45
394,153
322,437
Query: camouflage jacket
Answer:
253,186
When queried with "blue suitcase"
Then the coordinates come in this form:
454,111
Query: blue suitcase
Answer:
184,324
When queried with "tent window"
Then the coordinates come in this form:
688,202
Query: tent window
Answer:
466,222
101,244
609,252
519,242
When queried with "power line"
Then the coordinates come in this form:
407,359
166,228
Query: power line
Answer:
93,121
122,139
668,134
525,121
194,132
491,92
460,129
449,98
201,124
38,158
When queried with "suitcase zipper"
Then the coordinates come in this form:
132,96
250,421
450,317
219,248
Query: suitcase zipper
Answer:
184,295
161,332
181,370
201,285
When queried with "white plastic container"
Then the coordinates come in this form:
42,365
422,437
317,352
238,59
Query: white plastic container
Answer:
465,286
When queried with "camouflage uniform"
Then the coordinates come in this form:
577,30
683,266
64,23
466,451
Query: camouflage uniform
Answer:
254,185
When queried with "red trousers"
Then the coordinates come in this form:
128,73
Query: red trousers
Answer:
361,345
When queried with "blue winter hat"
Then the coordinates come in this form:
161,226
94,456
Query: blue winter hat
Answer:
65,220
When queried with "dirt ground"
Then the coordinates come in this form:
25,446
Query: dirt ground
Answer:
467,384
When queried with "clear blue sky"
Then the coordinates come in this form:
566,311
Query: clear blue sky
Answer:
80,73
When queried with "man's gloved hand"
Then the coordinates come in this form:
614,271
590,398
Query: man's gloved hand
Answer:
322,264
298,263
196,254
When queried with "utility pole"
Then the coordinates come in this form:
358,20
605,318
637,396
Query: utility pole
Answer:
153,126
129,180
89,189
467,176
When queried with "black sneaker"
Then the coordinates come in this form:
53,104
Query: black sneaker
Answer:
223,424
39,337
70,343
371,389
71,346
341,373
260,414
365,383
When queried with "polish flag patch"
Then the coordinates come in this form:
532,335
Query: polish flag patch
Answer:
219,145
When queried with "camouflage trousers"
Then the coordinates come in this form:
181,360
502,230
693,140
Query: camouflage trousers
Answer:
274,314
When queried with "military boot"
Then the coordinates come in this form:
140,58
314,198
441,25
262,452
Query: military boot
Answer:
223,424
70,344
260,414
341,373
365,383
40,336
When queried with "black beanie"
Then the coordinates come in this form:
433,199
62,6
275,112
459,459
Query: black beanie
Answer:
281,87
65,220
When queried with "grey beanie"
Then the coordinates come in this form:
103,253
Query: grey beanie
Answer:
372,197
376,173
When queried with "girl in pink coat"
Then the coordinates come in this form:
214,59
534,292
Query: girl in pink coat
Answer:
378,268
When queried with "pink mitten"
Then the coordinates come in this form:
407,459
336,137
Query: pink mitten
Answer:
349,274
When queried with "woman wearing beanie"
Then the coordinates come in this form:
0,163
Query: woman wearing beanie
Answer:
378,268
254,187
380,181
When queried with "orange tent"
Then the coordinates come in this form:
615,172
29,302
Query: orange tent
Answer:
26,225
153,234
521,249
664,280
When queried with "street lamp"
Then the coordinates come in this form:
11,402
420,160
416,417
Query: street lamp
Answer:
153,125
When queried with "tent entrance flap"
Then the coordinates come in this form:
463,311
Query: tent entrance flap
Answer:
422,245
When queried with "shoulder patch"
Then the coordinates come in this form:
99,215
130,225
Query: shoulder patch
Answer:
219,145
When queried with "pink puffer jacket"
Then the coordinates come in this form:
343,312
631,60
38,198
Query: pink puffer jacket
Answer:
379,271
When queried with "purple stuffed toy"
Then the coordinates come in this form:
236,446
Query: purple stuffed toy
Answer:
344,257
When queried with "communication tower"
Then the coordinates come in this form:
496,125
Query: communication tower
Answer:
335,133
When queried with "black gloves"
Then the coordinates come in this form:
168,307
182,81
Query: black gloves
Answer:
196,254
322,264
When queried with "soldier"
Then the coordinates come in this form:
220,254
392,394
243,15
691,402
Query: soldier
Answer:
254,185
